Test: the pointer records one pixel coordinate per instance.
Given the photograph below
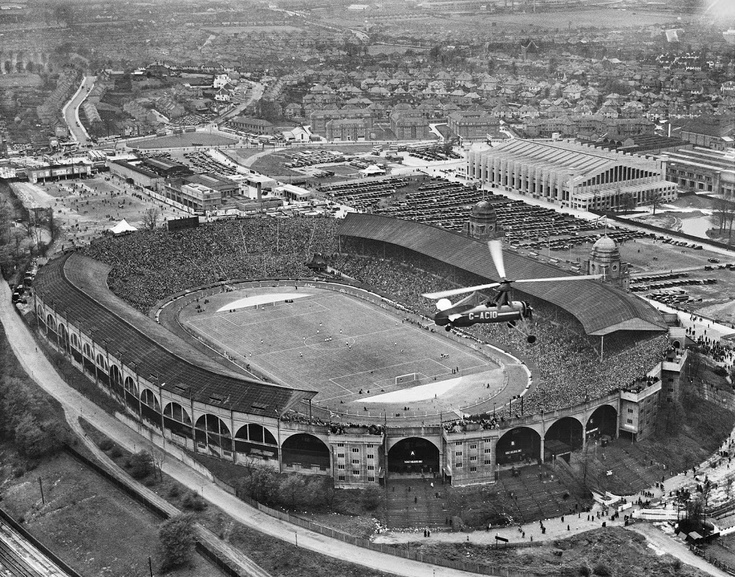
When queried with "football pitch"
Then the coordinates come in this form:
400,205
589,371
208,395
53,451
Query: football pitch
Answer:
348,350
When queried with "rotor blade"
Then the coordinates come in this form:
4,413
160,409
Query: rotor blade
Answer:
459,291
496,252
561,278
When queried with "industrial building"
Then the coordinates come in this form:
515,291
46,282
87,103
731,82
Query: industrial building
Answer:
703,170
571,174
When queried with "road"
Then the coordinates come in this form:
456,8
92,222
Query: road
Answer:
662,543
75,405
71,111
256,93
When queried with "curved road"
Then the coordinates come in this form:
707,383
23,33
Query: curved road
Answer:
256,93
71,111
76,405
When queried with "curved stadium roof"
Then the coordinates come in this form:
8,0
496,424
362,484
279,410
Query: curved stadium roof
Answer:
76,288
600,308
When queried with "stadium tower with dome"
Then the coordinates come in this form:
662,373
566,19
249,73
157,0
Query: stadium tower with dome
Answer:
179,390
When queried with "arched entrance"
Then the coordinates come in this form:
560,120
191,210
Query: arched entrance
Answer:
131,395
102,370
51,328
177,420
64,338
563,437
213,434
305,451
256,441
413,456
518,445
150,408
89,367
116,380
75,352
602,422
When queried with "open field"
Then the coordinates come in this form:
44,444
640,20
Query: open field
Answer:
182,140
274,163
86,208
89,523
581,18
274,29
17,80
456,21
347,349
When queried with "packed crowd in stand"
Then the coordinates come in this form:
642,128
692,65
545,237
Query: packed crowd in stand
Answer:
149,266
637,385
568,363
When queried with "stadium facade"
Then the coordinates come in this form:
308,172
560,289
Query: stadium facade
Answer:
571,174
182,396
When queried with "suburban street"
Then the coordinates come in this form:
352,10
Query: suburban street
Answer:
256,92
71,111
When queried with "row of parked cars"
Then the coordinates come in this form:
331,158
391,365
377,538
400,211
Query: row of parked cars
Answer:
21,290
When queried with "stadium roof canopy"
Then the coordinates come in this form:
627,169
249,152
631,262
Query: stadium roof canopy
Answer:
76,287
600,308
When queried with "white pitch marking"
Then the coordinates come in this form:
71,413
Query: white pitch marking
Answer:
264,299
419,393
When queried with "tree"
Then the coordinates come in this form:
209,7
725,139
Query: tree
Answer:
292,489
627,202
29,438
261,485
724,214
159,457
176,541
656,201
371,498
141,464
150,218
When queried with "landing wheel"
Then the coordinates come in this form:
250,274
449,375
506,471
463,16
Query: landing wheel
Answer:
448,328
530,339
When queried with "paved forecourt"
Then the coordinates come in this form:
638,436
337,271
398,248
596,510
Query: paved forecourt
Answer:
349,350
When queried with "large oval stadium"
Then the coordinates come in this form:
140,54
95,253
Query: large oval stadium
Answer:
223,341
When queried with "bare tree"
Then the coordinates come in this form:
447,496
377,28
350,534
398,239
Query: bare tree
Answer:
159,457
150,218
627,202
656,201
724,213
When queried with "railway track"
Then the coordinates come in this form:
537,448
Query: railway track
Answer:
20,558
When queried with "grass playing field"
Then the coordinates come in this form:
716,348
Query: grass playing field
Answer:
183,140
347,349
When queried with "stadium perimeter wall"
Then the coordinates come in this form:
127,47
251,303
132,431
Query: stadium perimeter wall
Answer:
208,428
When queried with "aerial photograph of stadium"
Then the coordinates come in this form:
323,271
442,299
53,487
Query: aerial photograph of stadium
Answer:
417,288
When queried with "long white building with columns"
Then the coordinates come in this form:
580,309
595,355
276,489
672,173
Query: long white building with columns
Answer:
572,174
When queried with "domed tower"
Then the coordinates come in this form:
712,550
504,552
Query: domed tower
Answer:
483,222
605,259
